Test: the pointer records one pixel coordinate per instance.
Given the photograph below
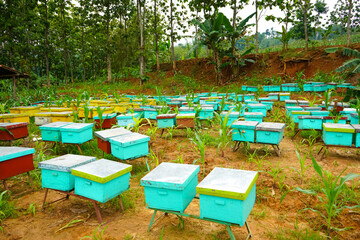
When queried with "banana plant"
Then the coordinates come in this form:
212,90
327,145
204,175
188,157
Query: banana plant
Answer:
353,65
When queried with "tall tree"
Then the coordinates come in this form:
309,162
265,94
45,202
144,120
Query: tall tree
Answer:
140,7
320,7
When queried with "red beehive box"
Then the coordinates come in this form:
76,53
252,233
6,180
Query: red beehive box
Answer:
15,161
13,130
109,121
104,136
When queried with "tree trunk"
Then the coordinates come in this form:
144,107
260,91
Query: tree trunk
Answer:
141,41
14,87
156,37
172,36
217,68
256,29
234,26
46,44
305,10
108,56
348,28
83,53
65,42
71,69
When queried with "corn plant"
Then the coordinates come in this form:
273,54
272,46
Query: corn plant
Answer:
332,187
224,132
327,98
312,102
151,131
32,209
100,111
7,208
87,111
278,176
138,123
200,148
355,105
3,107
75,116
303,167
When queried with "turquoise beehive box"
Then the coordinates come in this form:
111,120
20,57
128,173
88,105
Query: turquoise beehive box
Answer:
150,113
249,96
292,108
232,117
270,132
254,116
268,104
56,172
296,114
308,87
347,112
251,88
126,120
51,132
244,131
312,109
338,134
273,96
130,146
171,186
258,107
354,118
320,113
206,113
185,110
101,180
291,103
303,103
310,122
166,120
227,195
357,134
77,133
284,96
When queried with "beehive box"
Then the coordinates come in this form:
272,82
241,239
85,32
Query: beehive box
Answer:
126,120
28,110
77,133
293,87
274,88
15,161
227,195
109,120
51,132
56,172
130,146
249,96
232,117
320,113
330,119
273,96
55,109
354,118
312,109
150,113
254,116
185,120
303,103
251,88
244,131
310,122
13,118
171,186
243,88
296,114
42,118
332,85
284,96
290,103
320,88
61,116
270,132
166,120
268,104
258,107
338,134
346,112
101,180
13,131
357,134
103,138
214,104
251,101
206,113
308,87
290,109
239,97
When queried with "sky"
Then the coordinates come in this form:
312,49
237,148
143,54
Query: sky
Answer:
263,24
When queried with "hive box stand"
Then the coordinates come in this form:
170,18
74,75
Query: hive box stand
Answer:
227,195
130,146
171,186
51,132
15,161
109,121
338,134
270,132
77,133
244,131
103,138
13,131
101,180
56,172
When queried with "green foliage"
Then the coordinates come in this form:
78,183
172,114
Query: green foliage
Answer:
199,145
224,131
97,233
303,167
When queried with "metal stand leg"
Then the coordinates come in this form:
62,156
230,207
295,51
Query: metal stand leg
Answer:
162,131
121,204
277,150
296,133
232,237
248,229
98,214
152,220
43,205
91,146
79,148
30,180
147,165
5,185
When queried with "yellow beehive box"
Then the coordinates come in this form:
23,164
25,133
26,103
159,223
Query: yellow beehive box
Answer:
62,116
13,118
56,109
29,110
107,110
120,107
93,112
99,103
